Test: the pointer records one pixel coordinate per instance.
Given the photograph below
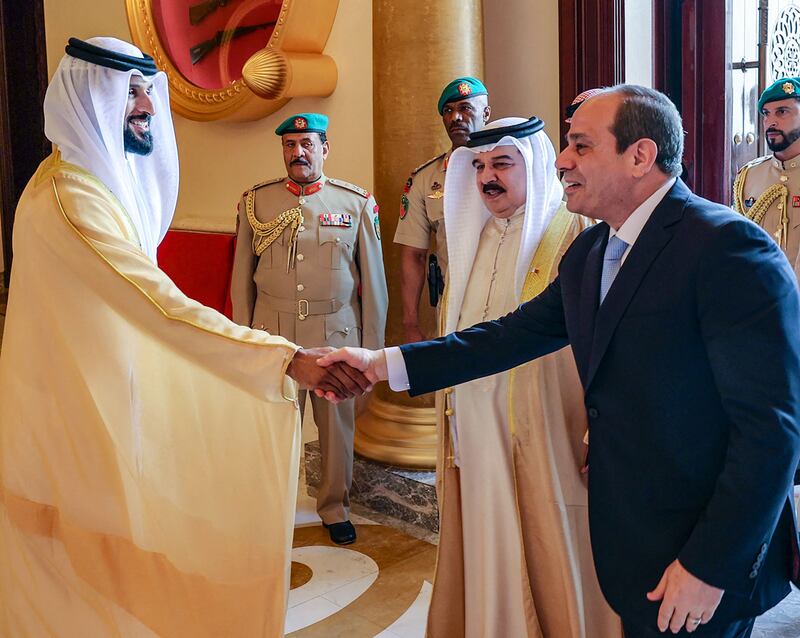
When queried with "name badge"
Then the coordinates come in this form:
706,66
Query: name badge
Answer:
344,220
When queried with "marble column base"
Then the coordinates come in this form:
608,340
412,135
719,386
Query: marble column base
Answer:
407,495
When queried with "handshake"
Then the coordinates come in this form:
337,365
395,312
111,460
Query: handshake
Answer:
338,374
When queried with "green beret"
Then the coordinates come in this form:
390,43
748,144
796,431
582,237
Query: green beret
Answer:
461,89
304,123
780,90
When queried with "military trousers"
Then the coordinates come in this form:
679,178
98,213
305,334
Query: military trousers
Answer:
336,424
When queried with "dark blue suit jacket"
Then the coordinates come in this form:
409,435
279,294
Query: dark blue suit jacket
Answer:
691,374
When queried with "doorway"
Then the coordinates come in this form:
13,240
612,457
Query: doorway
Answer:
23,81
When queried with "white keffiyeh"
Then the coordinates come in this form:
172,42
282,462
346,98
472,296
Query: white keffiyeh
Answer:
465,213
84,112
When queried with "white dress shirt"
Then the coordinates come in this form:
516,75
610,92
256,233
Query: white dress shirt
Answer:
629,232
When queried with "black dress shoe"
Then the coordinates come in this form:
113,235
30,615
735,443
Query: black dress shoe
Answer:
341,533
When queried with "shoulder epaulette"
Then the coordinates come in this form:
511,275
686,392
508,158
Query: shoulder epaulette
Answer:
267,183
351,187
755,162
428,163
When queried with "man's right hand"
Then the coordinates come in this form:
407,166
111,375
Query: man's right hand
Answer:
371,363
337,381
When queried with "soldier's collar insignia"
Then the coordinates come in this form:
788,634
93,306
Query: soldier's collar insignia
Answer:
304,189
436,186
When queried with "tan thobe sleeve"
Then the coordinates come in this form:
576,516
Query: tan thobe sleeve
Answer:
374,296
243,288
253,360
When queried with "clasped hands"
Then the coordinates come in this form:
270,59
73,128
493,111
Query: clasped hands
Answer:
340,374
336,375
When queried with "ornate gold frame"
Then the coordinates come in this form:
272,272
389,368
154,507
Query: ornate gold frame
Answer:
291,65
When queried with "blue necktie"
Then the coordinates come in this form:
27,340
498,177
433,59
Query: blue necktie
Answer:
611,263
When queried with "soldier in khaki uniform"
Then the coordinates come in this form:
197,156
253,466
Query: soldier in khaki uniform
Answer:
309,267
767,190
464,108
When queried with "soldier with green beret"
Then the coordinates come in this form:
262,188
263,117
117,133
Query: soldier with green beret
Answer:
767,190
464,108
309,267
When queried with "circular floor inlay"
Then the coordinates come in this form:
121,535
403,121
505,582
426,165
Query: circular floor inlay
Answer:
301,574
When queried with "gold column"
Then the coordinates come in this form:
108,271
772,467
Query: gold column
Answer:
418,46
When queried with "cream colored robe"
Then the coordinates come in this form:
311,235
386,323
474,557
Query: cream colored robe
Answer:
148,446
546,425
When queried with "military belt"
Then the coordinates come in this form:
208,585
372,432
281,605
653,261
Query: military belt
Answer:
305,307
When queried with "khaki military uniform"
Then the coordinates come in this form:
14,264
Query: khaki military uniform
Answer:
422,209
309,267
767,191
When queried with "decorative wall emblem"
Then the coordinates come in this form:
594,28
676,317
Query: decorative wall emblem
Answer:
237,59
785,44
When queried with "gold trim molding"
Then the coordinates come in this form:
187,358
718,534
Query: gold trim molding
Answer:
397,434
290,65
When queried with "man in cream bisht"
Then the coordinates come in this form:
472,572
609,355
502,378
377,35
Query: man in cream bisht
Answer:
148,446
514,554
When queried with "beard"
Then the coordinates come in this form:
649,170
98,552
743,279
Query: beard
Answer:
141,145
785,141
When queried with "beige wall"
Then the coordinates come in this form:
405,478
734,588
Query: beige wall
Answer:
219,160
521,49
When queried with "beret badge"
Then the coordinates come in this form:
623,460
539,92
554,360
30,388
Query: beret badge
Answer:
788,88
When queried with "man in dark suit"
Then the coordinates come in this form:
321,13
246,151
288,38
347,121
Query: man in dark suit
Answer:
683,319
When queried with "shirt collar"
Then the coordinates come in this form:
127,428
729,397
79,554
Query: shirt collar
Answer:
305,189
632,227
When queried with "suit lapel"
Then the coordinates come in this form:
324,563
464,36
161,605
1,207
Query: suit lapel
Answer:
590,291
655,235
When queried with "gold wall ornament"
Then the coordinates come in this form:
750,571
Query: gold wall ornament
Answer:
283,57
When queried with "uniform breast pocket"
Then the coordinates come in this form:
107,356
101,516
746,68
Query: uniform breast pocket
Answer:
335,246
435,208
273,255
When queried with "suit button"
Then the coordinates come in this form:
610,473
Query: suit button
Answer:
301,229
300,287
338,239
449,412
301,317
300,257
594,413
448,390
347,331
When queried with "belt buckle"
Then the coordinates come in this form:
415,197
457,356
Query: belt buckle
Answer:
302,309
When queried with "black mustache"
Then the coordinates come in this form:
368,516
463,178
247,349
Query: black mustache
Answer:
300,161
492,186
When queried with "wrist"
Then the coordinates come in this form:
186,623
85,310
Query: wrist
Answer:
291,368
